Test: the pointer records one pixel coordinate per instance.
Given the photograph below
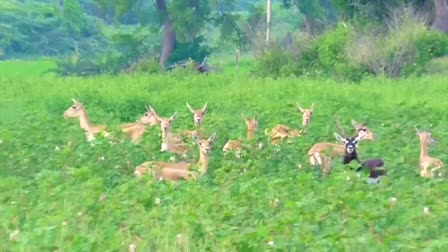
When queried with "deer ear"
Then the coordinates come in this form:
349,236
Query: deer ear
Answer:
74,101
313,106
339,138
204,108
355,124
416,129
190,108
212,138
243,116
299,107
173,116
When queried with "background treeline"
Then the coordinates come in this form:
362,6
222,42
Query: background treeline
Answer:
343,39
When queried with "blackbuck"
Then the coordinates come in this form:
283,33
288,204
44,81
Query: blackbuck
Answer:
170,142
376,169
137,129
78,110
321,153
350,145
281,131
430,167
176,172
237,145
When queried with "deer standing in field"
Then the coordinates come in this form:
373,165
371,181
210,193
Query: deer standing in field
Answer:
170,142
236,145
281,131
198,118
183,170
429,166
77,110
137,129
322,153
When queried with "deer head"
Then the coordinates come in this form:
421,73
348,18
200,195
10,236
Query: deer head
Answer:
306,114
350,143
252,124
425,136
363,131
205,145
76,110
198,114
148,117
165,123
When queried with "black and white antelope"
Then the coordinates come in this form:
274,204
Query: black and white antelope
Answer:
350,145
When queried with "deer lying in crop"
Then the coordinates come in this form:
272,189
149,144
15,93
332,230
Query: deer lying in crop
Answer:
320,153
236,145
170,142
281,131
429,166
77,110
137,129
198,118
376,169
180,171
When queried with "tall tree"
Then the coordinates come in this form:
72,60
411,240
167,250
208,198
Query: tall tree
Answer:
441,15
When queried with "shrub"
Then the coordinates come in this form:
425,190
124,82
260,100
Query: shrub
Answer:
403,49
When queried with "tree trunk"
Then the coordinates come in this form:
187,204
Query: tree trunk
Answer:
169,34
268,21
441,19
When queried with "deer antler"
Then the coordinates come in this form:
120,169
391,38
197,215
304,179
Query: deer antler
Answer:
340,126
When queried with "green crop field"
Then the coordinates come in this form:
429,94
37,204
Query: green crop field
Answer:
51,178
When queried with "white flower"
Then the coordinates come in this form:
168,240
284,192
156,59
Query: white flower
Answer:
101,158
132,248
393,200
157,201
271,243
14,235
426,210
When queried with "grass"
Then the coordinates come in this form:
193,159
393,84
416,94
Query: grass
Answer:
50,190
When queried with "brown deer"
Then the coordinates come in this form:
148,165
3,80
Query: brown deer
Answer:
183,170
236,145
281,131
429,166
137,129
322,153
78,110
198,118
171,142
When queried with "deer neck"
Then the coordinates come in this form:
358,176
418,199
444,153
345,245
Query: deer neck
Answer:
423,148
84,121
250,134
203,162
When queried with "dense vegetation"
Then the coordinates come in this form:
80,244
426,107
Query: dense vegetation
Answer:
52,179
60,193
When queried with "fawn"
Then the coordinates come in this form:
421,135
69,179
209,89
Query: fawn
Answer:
429,166
182,170
236,145
137,129
376,169
281,131
77,110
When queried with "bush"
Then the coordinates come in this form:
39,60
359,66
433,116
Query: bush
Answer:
403,49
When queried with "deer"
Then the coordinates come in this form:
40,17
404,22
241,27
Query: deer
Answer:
137,129
198,118
176,172
429,166
320,153
281,131
376,169
350,144
236,145
170,142
78,110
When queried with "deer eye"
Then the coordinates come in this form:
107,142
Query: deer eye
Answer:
146,114
74,107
